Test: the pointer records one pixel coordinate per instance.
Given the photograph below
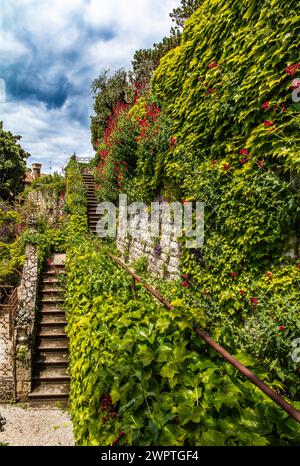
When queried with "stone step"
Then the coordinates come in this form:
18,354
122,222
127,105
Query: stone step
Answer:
54,328
53,353
50,345
49,392
53,300
50,281
47,268
46,308
53,274
51,359
47,335
44,373
52,318
52,310
50,288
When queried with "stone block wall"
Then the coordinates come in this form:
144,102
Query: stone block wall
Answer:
162,254
24,322
6,357
46,204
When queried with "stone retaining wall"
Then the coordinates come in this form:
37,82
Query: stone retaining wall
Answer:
24,322
162,254
6,357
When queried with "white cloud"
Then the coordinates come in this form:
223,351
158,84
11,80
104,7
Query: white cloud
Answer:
49,135
73,40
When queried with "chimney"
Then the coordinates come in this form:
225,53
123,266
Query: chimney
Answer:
36,170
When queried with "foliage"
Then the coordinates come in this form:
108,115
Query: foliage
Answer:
108,91
117,153
134,138
221,101
140,376
12,165
146,61
55,184
76,201
181,14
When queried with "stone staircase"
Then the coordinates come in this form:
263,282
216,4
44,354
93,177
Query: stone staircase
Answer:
50,381
93,218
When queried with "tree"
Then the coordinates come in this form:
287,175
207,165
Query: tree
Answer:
108,91
146,61
181,14
12,165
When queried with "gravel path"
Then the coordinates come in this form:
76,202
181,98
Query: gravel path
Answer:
36,427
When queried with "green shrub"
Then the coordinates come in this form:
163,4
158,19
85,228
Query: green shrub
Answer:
140,376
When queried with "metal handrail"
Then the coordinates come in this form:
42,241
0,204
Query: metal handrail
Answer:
287,407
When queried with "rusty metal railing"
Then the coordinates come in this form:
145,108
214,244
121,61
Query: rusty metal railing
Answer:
287,407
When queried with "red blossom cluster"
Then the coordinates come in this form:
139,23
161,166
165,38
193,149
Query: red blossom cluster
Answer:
295,84
173,142
147,123
292,69
120,169
107,407
213,65
268,123
139,89
254,302
266,105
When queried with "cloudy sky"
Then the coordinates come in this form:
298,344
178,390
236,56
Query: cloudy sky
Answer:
50,50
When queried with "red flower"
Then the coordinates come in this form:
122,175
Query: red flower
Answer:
268,123
173,141
244,152
186,284
243,292
213,65
214,162
211,90
282,328
233,274
295,84
243,161
254,301
186,277
49,262
261,163
292,69
226,167
266,105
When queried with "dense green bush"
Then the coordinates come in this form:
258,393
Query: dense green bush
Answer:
140,376
76,201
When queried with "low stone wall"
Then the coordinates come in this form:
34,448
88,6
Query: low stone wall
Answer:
46,204
162,254
24,323
6,357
